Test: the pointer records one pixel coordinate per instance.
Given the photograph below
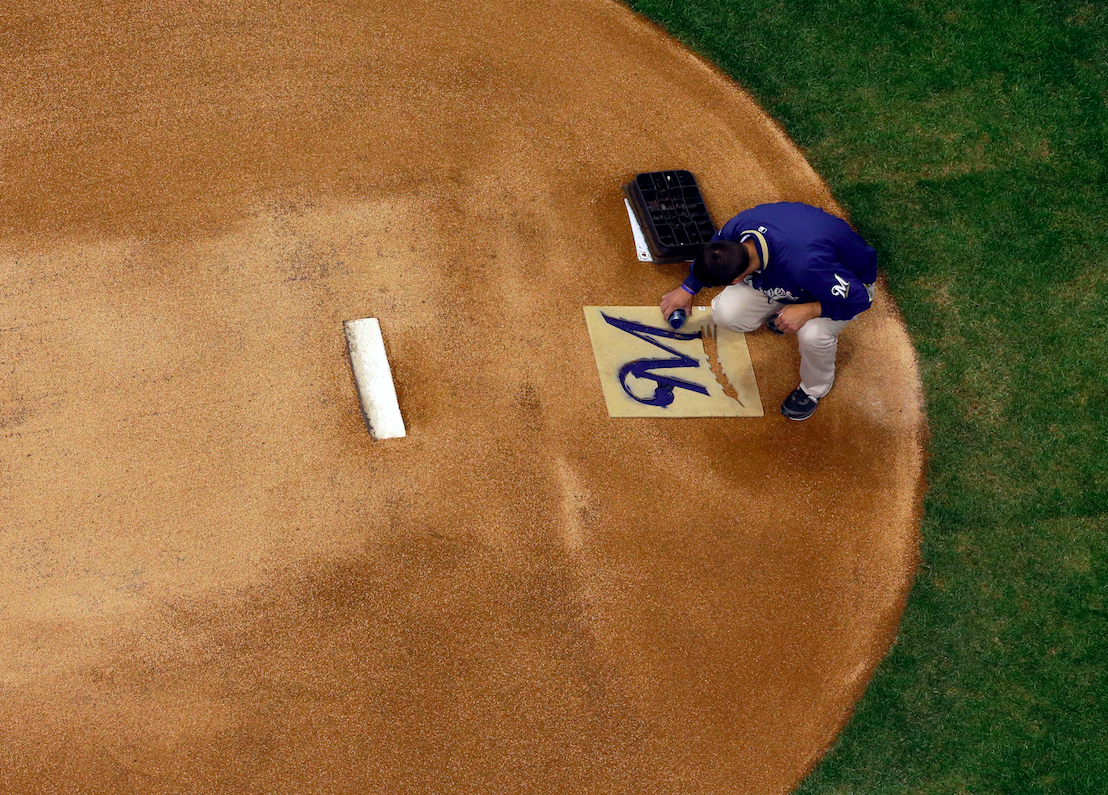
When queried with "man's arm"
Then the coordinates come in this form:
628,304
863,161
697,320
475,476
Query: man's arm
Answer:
680,298
792,317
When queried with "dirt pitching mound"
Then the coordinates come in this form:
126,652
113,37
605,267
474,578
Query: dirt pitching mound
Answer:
214,581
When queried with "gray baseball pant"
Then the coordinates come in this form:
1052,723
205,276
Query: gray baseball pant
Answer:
740,307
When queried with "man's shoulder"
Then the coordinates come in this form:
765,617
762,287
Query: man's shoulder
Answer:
777,213
791,209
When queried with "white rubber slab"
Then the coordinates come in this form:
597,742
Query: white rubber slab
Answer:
373,378
641,248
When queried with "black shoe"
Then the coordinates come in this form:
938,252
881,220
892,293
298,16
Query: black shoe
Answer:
772,326
798,406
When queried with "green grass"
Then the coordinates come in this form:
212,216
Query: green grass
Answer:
969,141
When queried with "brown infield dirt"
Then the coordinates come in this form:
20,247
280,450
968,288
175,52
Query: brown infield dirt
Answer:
214,581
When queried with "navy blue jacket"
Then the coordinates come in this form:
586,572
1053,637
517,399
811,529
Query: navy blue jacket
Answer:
807,255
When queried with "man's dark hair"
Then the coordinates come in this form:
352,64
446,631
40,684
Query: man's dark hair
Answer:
720,262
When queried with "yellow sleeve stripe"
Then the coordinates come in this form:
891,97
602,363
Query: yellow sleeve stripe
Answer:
763,246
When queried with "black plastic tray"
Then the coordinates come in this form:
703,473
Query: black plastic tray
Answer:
672,214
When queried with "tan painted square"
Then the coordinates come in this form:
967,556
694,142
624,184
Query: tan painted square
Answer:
641,378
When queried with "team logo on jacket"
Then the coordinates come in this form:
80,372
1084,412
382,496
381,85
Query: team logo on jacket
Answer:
772,293
778,294
843,287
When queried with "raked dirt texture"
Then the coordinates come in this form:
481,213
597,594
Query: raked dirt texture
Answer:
213,580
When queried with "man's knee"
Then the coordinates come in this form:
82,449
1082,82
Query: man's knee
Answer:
734,316
813,335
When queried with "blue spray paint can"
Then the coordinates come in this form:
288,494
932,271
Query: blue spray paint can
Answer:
677,318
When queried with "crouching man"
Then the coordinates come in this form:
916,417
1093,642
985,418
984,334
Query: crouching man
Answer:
796,268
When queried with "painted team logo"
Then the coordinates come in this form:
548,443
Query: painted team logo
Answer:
647,369
843,288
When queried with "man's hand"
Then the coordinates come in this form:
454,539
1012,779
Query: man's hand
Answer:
792,317
676,299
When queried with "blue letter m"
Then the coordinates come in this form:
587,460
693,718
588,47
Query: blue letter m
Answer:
644,368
